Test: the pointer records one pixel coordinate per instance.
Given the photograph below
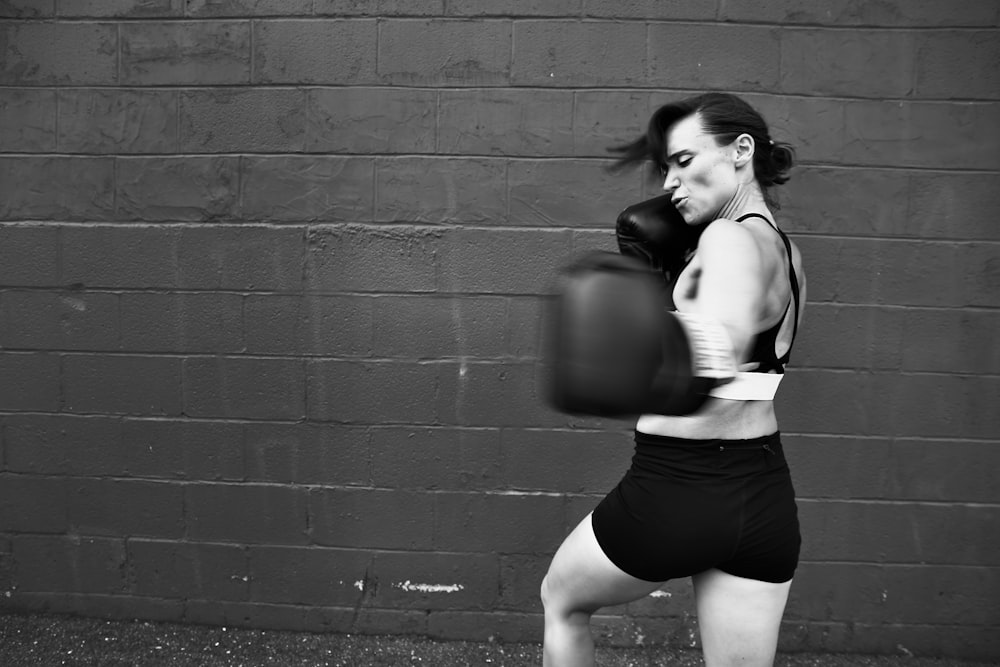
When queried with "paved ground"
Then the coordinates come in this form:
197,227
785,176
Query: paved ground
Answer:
40,641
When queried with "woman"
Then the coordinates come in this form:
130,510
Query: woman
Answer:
708,495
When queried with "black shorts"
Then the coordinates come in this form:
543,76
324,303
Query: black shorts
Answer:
686,506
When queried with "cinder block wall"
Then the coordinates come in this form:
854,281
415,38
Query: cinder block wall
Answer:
270,277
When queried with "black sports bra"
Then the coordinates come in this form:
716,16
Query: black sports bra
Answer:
763,348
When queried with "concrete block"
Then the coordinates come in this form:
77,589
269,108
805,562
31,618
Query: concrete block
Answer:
372,518
905,134
95,256
31,503
957,64
893,14
850,201
563,461
506,122
121,384
521,581
888,403
182,570
494,394
431,327
182,450
441,190
29,256
59,321
889,468
241,257
58,53
309,575
121,8
501,261
910,594
444,52
226,8
435,458
678,59
497,523
122,607
69,564
431,580
117,121
371,120
340,326
851,337
56,188
325,454
360,258
64,445
27,9
953,205
571,53
157,322
951,341
27,120
31,382
812,125
672,10
373,392
125,507
855,63
511,8
864,531
177,189
315,51
308,188
604,119
185,53
246,513
981,275
548,193
245,388
247,120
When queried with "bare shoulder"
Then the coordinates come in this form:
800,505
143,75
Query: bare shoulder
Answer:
722,232
725,240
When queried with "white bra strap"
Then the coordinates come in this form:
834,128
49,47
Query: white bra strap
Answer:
750,387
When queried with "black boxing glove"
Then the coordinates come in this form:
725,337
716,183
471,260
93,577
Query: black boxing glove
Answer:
613,349
653,232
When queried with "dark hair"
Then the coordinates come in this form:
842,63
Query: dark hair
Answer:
726,117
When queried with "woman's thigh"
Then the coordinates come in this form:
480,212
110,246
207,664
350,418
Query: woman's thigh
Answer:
581,578
738,618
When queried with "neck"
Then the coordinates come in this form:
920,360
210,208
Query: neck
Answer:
748,199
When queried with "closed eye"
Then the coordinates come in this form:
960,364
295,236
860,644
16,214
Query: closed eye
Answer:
680,158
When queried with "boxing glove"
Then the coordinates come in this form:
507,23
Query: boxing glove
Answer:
613,349
653,232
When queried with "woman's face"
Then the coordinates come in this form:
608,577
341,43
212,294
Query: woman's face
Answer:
700,175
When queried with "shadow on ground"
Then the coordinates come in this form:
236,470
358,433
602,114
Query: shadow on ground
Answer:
43,640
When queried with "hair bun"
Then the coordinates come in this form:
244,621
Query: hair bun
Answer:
781,158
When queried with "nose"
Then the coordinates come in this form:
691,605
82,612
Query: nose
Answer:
670,181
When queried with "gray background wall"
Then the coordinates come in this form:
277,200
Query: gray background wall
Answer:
270,276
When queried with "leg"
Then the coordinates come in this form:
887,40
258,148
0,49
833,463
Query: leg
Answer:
580,581
738,618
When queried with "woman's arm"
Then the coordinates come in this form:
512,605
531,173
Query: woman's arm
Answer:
732,282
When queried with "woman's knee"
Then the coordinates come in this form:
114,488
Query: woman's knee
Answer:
551,598
558,601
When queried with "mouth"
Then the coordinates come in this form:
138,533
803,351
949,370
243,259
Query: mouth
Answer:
680,201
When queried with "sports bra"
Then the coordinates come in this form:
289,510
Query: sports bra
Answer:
762,352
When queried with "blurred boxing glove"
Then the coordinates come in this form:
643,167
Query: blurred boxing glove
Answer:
653,232
613,349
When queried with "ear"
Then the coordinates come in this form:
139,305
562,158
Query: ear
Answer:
745,147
